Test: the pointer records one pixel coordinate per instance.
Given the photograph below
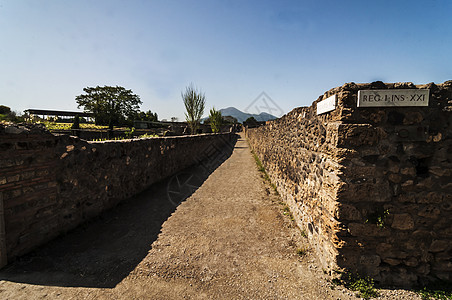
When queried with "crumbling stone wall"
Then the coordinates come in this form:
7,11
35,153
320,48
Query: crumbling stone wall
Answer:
52,183
370,186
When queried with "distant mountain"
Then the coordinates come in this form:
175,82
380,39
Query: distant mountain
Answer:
241,116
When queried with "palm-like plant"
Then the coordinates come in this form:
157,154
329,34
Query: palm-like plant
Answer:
215,120
194,104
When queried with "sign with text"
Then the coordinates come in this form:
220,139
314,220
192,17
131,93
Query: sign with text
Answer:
326,105
382,98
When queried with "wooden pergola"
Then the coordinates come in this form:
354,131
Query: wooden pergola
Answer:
57,113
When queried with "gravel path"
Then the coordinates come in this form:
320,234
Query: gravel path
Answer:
230,239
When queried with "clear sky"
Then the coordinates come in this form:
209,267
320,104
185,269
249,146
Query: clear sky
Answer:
232,50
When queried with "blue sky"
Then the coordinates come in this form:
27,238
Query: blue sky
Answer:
232,50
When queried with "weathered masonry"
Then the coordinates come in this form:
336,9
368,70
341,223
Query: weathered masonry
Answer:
52,183
367,173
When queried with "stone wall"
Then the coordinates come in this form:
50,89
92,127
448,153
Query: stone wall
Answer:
372,186
52,183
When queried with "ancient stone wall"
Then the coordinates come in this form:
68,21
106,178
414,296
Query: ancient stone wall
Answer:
52,183
371,186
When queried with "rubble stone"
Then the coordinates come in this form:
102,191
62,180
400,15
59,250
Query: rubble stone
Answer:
381,174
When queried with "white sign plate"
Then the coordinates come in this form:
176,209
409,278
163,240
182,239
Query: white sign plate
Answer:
326,105
383,98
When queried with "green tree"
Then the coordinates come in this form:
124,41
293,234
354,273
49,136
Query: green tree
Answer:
215,119
194,104
109,105
146,116
251,122
4,110
8,115
150,116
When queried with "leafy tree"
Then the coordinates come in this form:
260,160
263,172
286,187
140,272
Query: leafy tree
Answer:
7,114
229,120
152,116
146,116
4,110
251,121
194,104
109,105
215,119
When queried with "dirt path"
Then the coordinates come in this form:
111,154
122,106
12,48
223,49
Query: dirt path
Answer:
228,240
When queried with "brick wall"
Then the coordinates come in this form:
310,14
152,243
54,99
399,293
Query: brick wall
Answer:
52,183
370,186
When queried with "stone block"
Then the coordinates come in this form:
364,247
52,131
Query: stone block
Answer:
348,212
13,178
372,261
402,222
411,262
439,246
423,269
431,197
392,261
429,211
363,230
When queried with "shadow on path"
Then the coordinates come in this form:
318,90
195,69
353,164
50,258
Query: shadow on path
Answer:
102,252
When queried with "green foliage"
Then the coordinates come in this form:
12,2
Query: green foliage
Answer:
364,286
6,114
147,135
129,133
251,122
378,218
436,290
66,126
274,188
146,116
194,102
215,120
229,120
260,167
109,105
287,212
120,138
4,110
302,251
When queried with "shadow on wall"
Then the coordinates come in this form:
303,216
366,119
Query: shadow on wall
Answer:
101,253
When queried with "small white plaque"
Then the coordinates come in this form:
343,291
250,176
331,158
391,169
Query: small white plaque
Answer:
379,98
326,105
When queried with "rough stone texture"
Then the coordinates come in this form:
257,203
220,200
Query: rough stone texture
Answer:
370,186
51,183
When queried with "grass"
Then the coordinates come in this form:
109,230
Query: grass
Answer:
302,251
437,290
143,136
363,285
261,168
67,126
287,212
